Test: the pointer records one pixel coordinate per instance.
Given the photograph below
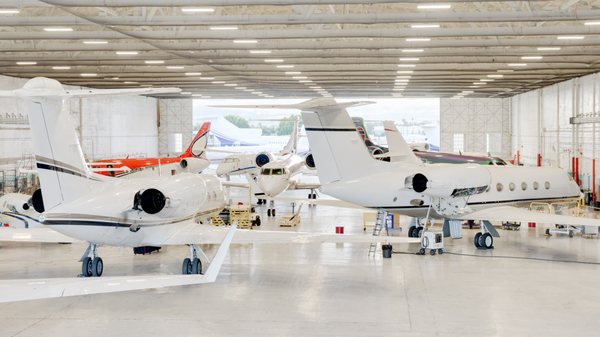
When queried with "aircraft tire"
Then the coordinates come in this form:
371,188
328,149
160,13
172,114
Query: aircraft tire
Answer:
486,241
97,267
196,266
411,231
86,267
186,267
476,240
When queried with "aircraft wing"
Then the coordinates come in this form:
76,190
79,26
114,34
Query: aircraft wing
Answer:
323,202
235,184
509,213
32,289
37,235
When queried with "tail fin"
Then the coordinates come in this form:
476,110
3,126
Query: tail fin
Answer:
399,151
292,144
62,170
339,151
197,147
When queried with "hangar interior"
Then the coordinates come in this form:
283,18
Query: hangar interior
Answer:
515,80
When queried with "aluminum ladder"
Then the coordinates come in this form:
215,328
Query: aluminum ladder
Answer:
380,224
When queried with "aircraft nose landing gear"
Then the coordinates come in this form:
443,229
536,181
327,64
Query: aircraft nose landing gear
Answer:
91,266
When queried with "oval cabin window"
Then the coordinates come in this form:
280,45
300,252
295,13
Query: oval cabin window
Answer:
511,186
499,187
524,186
536,185
547,185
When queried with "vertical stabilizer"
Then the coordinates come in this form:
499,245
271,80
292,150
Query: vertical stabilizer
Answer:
60,163
197,147
292,144
399,151
339,152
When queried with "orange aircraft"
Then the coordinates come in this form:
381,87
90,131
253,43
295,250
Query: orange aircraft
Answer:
192,160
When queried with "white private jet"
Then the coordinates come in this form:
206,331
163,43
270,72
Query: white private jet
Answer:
454,192
270,174
133,212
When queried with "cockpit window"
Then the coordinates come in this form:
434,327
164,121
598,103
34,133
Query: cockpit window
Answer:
266,172
278,171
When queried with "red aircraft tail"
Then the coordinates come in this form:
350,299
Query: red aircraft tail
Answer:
198,144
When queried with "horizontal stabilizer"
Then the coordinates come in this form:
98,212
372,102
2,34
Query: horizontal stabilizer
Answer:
320,104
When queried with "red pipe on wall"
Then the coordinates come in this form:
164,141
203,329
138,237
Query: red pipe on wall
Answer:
539,159
573,168
594,181
577,170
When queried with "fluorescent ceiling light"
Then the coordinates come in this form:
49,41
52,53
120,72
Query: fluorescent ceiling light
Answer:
412,50
285,66
548,48
154,61
418,39
223,28
257,92
126,53
473,86
318,88
398,89
305,81
426,25
9,11
230,84
130,82
193,74
299,77
517,64
409,59
58,29
26,63
95,42
435,6
245,41
218,82
403,76
407,65
175,67
531,57
588,23
486,80
571,37
260,52
185,93
61,67
495,75
273,60
240,88
479,83
402,80
466,92
293,72
505,70
88,74
404,72
197,10
207,78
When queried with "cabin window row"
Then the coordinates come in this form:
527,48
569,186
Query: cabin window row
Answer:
512,186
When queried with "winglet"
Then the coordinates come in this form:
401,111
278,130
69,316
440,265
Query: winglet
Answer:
215,266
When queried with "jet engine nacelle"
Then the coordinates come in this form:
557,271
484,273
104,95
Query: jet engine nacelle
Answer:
37,201
176,197
192,165
377,151
263,159
451,181
309,161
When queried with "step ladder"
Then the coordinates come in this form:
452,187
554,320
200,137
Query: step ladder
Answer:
380,224
216,220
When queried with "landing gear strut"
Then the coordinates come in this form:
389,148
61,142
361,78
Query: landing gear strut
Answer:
271,209
91,266
192,264
312,194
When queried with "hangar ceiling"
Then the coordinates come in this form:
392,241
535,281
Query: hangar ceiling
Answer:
303,48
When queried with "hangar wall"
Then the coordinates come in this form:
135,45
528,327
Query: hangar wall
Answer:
112,127
482,125
175,127
541,125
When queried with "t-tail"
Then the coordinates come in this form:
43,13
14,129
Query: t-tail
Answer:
62,170
197,147
399,150
292,144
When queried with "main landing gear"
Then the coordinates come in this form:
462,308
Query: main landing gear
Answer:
416,228
192,264
271,209
483,240
262,201
91,266
312,194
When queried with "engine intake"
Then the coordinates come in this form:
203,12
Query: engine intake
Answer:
37,201
183,163
419,182
262,159
309,161
150,201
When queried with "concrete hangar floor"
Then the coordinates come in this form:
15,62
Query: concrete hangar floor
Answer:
517,289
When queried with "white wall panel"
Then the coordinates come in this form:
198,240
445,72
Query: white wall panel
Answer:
476,117
175,118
